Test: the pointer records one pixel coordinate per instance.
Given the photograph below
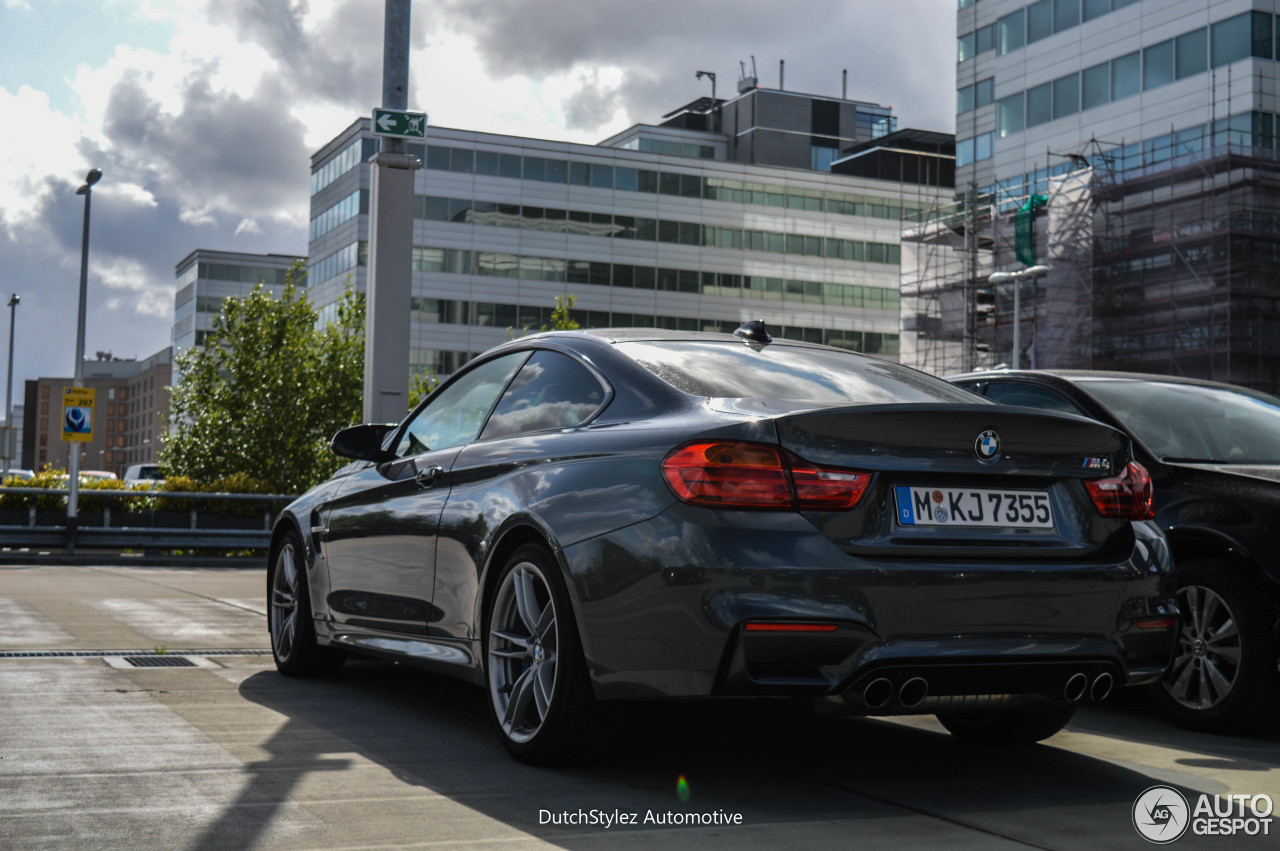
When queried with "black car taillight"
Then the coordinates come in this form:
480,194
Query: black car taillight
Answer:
735,474
1127,496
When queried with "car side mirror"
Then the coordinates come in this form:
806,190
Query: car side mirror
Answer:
363,442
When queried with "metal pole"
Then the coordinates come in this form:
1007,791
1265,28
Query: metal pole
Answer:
8,389
73,465
1017,319
386,352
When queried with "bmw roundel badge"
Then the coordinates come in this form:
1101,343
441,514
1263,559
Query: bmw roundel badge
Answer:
987,446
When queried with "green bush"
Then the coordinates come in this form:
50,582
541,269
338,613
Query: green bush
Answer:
143,498
48,479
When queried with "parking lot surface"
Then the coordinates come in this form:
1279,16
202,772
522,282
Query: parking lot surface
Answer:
224,753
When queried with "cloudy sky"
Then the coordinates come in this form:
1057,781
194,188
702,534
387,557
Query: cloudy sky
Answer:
202,115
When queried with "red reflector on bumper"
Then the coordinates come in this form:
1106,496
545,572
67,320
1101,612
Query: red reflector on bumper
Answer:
765,626
1157,623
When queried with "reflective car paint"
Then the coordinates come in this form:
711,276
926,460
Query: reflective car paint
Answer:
661,589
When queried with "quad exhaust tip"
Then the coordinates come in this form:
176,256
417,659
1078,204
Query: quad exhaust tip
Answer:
878,693
1076,686
1101,687
913,692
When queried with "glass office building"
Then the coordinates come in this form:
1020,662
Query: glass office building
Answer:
1161,116
672,226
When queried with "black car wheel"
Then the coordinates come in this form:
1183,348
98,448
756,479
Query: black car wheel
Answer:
1008,727
1223,674
540,693
293,635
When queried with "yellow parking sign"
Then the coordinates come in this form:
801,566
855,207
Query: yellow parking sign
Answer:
77,414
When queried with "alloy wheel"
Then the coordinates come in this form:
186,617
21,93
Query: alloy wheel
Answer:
284,603
523,651
1208,658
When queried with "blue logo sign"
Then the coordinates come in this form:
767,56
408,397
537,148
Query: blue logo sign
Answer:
987,446
79,421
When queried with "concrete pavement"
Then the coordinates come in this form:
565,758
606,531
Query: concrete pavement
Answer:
234,756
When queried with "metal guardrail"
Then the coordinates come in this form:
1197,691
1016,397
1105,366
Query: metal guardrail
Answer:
146,529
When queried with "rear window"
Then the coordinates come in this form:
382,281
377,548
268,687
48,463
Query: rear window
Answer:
735,370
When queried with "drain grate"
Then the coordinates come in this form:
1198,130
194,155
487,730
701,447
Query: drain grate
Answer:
167,661
90,654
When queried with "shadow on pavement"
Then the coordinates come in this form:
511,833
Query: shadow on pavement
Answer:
774,765
1132,714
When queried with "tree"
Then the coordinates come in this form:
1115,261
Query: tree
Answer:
268,390
561,318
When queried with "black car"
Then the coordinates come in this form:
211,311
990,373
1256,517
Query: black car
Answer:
581,518
1213,451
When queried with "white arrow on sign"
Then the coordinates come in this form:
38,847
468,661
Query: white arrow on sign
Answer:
386,122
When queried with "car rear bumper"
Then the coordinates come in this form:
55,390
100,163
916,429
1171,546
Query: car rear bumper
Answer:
663,607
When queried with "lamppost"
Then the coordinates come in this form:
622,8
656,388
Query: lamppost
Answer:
73,474
1015,278
8,390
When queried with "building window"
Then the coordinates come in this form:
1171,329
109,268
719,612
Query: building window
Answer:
984,92
44,407
1231,40
1039,104
1095,9
1066,14
1157,65
1010,116
44,392
982,146
1011,32
985,38
965,47
964,152
1095,86
1126,76
1191,53
964,100
1039,20
1066,95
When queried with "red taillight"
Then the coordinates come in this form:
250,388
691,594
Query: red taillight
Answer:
1127,495
1156,623
752,475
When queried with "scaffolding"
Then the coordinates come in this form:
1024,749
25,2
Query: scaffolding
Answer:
1162,260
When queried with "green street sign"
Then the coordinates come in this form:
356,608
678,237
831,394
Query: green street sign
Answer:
401,124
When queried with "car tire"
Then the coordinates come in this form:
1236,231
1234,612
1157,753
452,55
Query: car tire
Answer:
540,695
293,632
1223,675
1008,727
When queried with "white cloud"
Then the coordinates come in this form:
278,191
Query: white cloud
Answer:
46,145
247,226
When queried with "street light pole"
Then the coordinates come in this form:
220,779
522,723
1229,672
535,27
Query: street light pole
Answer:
8,390
73,473
1015,278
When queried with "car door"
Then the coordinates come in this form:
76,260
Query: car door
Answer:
531,438
380,542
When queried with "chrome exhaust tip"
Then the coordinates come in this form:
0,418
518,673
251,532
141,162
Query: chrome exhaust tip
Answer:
913,692
878,693
1101,687
1075,688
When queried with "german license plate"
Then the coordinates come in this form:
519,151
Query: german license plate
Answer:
973,507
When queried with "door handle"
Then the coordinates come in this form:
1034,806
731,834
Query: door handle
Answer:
428,477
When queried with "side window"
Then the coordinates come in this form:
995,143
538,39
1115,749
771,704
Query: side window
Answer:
455,414
551,391
1030,396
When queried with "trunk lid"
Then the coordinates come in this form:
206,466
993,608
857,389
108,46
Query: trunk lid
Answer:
965,481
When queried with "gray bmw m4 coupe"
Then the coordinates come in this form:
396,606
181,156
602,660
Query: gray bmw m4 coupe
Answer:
579,519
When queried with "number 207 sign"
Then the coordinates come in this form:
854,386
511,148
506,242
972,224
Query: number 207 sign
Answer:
77,414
